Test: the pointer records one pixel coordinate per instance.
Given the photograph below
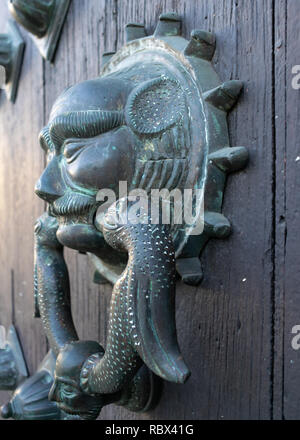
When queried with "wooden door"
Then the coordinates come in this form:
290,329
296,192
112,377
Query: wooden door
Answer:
235,329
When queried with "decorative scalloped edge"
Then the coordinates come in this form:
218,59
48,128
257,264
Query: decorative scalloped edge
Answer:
218,98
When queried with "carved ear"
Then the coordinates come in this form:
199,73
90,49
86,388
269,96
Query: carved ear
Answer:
154,106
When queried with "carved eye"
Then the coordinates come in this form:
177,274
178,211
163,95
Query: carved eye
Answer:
72,149
68,391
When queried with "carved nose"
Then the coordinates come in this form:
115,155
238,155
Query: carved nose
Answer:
50,185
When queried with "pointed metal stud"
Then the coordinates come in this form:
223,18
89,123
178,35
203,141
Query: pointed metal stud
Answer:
216,225
30,400
44,20
201,45
224,96
11,57
169,25
134,31
230,159
106,57
190,270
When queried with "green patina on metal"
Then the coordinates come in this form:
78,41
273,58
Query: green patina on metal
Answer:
11,58
13,369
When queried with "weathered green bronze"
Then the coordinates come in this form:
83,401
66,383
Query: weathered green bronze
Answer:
44,19
11,57
156,119
13,369
30,400
52,281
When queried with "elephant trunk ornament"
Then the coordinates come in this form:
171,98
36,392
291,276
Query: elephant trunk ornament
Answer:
155,120
142,317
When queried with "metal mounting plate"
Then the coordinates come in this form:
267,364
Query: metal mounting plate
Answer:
18,46
48,44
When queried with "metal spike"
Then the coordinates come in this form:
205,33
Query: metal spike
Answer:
134,31
224,96
106,57
12,48
216,225
190,270
201,45
230,159
169,25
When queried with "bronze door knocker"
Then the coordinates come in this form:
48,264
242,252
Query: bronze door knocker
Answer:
157,120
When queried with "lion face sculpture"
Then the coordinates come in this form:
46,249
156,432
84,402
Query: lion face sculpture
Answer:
107,131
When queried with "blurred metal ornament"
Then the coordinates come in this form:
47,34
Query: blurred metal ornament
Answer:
11,57
44,20
30,400
13,369
134,31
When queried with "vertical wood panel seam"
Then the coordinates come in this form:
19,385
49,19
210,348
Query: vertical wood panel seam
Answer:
279,234
284,206
273,231
116,11
275,211
13,306
105,27
285,231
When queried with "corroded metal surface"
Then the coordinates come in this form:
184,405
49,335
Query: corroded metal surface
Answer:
13,369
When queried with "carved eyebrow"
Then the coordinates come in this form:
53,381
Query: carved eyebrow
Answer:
45,140
66,381
83,124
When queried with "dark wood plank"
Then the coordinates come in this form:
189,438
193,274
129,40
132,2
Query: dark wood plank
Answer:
279,110
20,165
225,326
287,105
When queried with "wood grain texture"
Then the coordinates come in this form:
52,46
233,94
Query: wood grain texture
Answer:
287,215
20,165
235,329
